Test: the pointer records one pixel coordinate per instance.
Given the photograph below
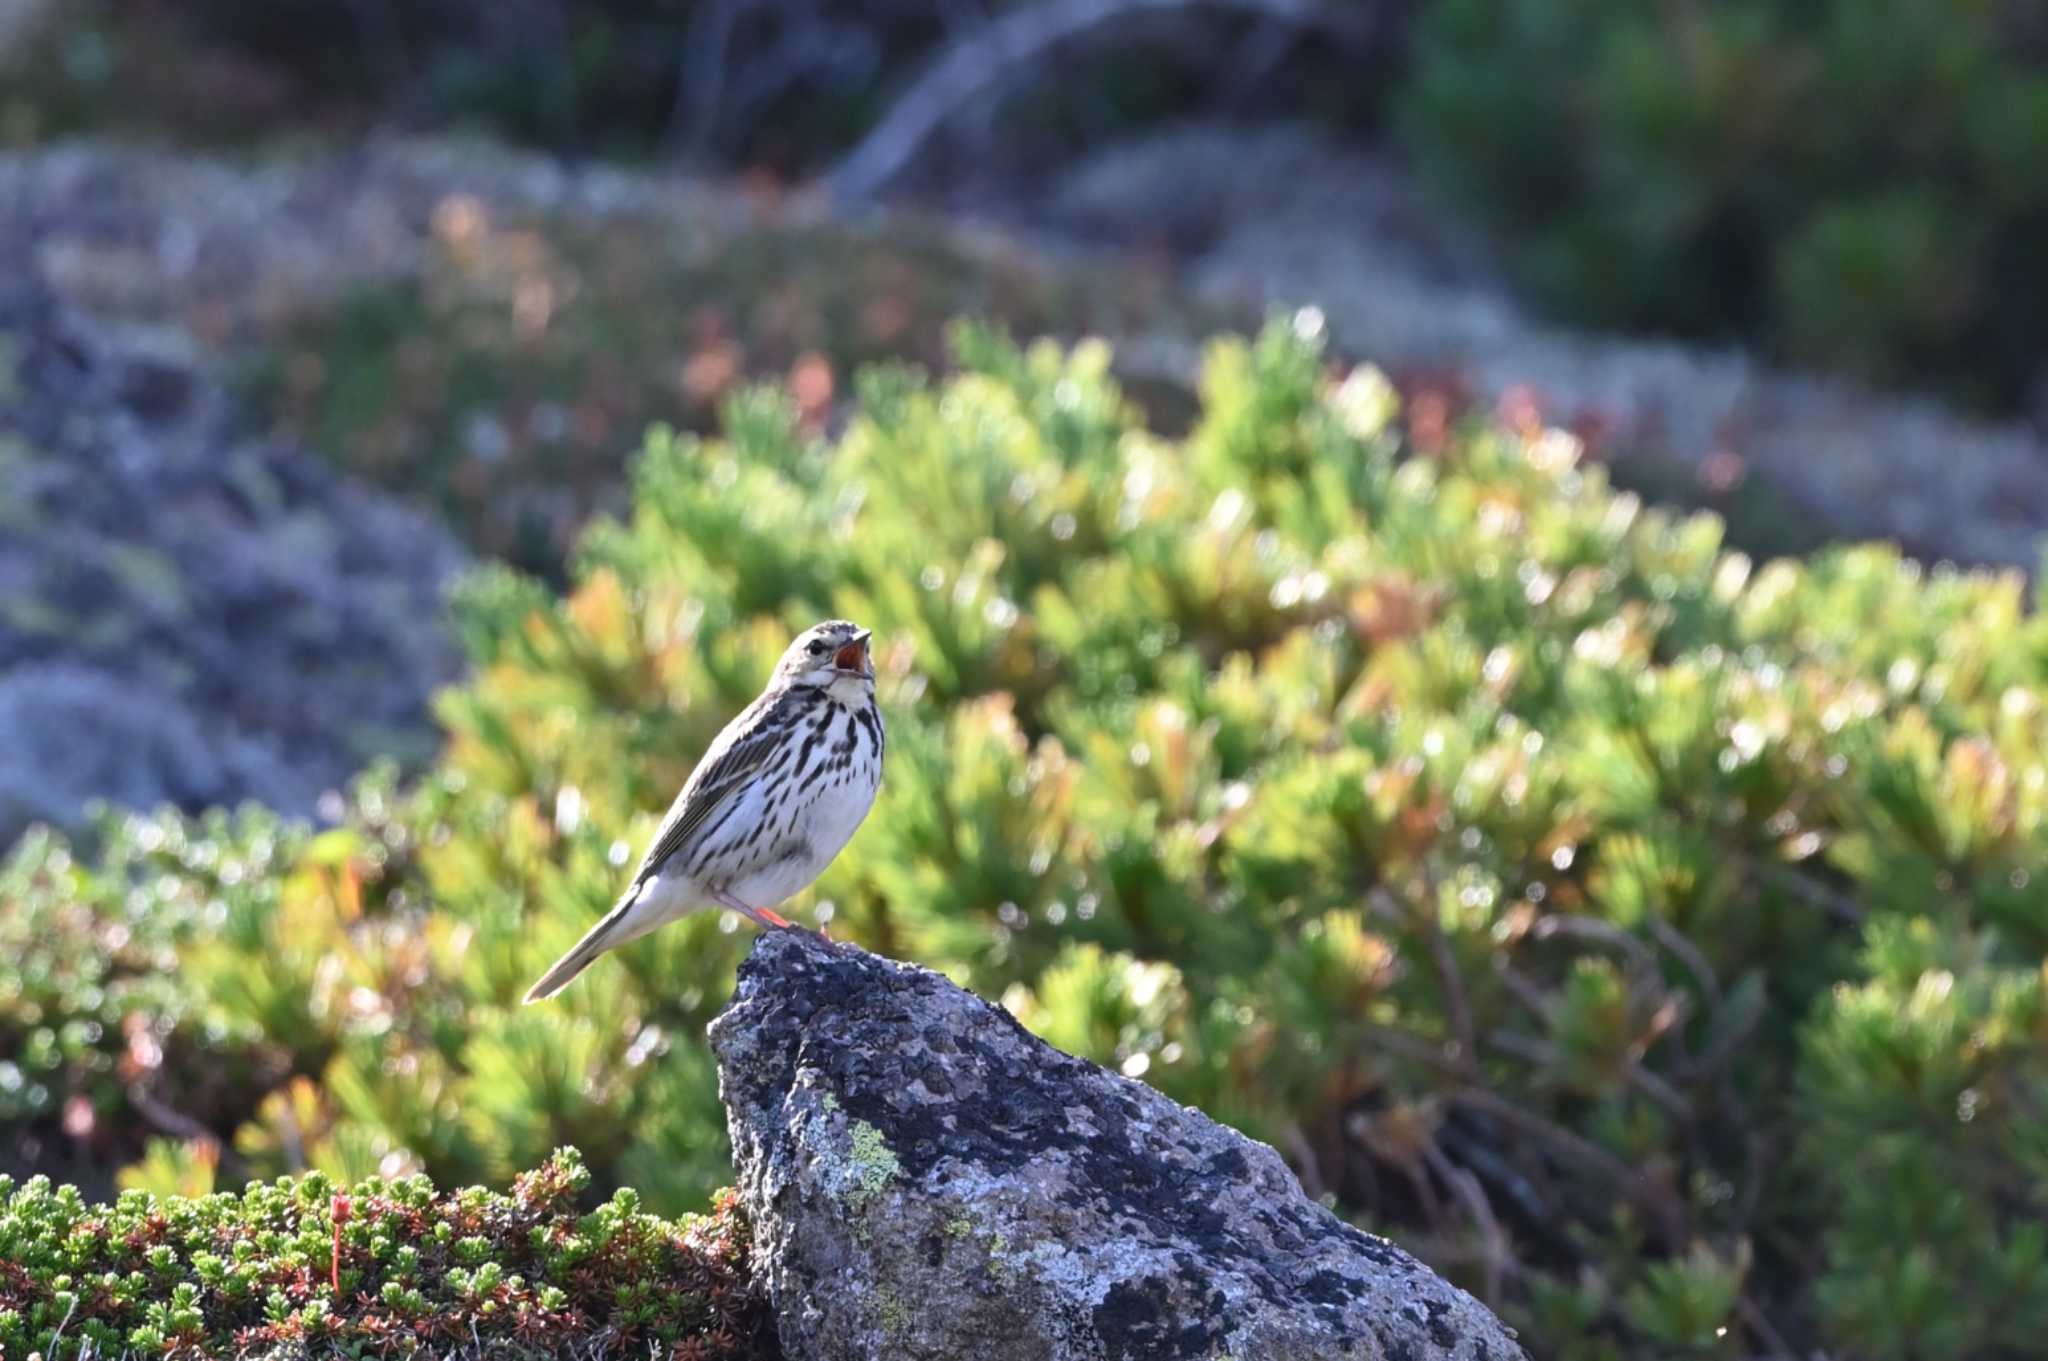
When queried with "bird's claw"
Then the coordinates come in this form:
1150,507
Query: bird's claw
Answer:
842,946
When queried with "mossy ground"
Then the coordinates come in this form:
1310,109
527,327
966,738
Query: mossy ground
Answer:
304,1267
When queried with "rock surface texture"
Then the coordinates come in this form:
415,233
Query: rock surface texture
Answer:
188,615
927,1179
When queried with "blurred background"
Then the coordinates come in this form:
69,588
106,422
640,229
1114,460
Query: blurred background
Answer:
330,328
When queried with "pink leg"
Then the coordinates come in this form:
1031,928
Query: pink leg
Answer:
759,916
764,917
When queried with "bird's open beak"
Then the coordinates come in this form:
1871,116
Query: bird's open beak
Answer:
854,656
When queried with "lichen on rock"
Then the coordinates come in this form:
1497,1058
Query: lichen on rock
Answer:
927,1179
869,1162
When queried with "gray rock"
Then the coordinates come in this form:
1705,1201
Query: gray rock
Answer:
19,19
189,615
927,1179
75,735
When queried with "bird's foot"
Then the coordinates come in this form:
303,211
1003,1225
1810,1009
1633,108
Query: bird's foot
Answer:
843,946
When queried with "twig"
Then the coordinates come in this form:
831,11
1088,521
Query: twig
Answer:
1659,1206
1456,1008
1528,1048
1474,1153
1414,1047
985,58
1688,955
1731,1038
58,1336
1499,1261
1425,1193
1841,905
1668,1216
1547,1055
175,1122
1658,1090
700,76
167,1118
1642,963
1311,1166
842,51
1524,991
1592,928
1765,1330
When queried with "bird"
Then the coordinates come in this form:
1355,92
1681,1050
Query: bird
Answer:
775,798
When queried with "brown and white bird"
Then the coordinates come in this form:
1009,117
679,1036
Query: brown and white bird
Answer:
776,797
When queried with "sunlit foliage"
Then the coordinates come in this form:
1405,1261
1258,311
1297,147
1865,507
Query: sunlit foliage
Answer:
1650,937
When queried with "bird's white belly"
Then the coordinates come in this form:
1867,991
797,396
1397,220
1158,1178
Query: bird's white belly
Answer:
819,830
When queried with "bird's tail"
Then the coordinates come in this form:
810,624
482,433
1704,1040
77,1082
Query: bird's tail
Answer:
611,931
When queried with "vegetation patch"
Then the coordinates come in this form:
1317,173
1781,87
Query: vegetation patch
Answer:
1646,935
507,381
1837,182
304,1267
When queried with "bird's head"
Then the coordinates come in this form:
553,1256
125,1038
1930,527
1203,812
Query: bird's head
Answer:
834,653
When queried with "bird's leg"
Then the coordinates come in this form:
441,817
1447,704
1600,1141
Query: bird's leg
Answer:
759,916
765,917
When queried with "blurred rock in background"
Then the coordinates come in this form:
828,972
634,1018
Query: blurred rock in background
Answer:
1284,212
189,615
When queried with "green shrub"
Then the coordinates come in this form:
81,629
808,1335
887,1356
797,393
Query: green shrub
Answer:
1853,183
392,1267
1633,929
1925,1086
97,1018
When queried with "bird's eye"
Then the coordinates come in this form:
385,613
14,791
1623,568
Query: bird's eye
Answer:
817,649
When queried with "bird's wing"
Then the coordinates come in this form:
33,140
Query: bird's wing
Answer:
738,752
